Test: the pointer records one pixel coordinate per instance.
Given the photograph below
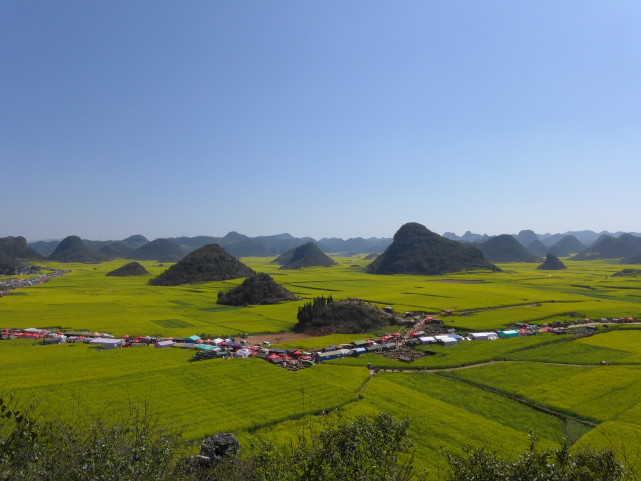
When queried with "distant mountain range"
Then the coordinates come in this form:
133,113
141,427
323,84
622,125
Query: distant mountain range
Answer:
526,237
139,247
238,245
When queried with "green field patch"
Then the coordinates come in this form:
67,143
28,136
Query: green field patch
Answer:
238,394
314,288
172,323
490,405
220,308
623,438
426,295
438,426
599,393
571,352
181,303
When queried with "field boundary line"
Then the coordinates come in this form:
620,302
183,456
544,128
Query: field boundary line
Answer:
530,403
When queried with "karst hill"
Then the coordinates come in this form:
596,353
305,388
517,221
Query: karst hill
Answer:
131,269
567,245
505,248
417,250
116,250
73,249
324,316
161,250
16,247
209,263
552,263
306,255
258,289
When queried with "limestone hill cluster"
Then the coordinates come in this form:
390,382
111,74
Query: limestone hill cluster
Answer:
307,255
626,246
257,289
416,250
131,269
529,247
209,263
552,263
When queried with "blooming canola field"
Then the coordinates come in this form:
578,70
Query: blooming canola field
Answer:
480,393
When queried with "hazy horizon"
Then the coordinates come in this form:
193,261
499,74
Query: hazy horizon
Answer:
460,234
340,119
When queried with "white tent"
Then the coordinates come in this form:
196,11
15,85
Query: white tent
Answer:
243,353
427,340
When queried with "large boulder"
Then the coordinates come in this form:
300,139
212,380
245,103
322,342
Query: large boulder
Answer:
219,445
209,263
417,250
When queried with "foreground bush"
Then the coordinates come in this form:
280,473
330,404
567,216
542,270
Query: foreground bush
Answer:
537,465
132,447
138,447
365,449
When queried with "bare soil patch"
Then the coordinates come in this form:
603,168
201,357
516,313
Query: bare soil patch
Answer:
278,337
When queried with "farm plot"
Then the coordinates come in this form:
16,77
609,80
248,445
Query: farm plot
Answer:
618,346
236,395
597,393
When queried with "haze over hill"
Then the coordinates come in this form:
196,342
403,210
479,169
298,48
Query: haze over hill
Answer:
73,249
607,247
505,248
241,245
306,255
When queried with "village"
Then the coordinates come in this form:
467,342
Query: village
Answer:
418,330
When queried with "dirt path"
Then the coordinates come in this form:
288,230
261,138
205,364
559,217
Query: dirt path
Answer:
278,337
487,363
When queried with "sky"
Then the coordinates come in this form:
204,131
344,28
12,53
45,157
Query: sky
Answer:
323,119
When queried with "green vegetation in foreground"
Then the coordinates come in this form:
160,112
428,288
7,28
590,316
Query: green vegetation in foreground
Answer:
248,397
375,448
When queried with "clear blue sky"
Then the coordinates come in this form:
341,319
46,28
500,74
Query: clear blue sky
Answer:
333,118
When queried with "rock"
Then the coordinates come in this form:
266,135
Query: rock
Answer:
218,446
